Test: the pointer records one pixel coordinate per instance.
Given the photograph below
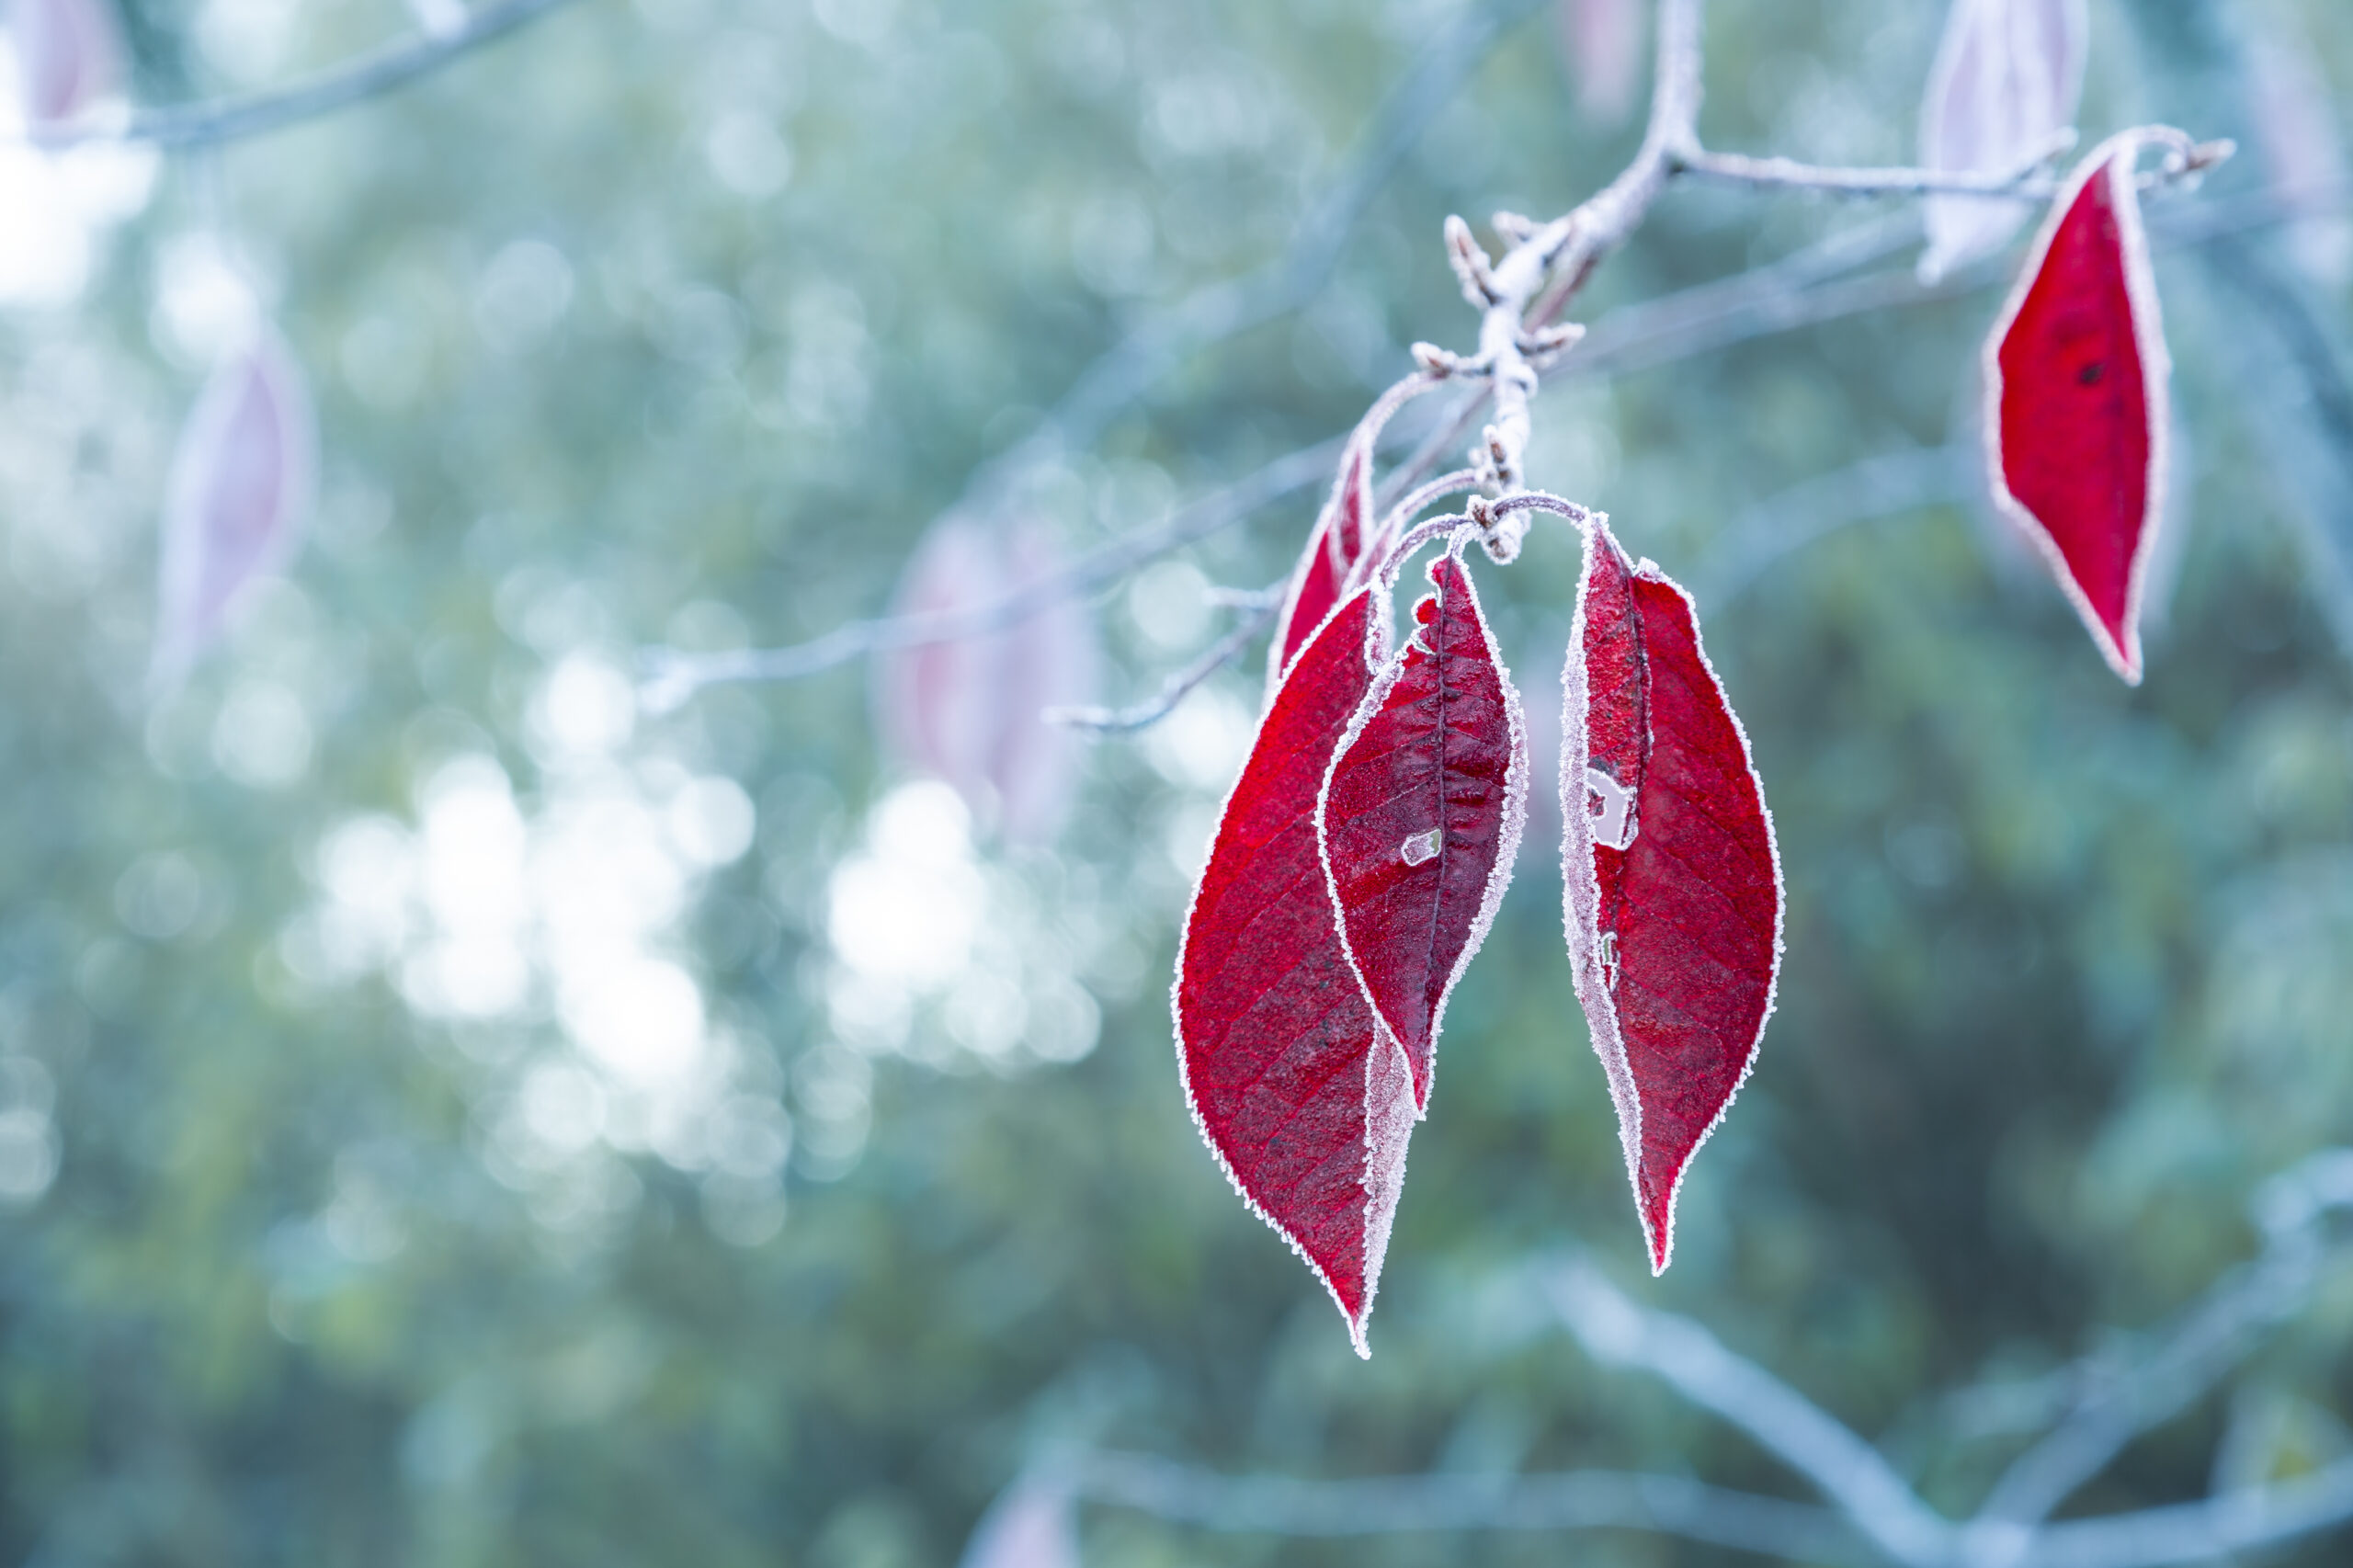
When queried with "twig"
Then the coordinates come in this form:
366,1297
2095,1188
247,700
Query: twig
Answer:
1577,1500
1848,1471
1124,371
215,121
1178,686
672,675
2025,183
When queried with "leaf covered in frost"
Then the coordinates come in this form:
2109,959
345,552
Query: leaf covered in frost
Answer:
2007,77
1421,816
1334,550
2075,374
968,710
68,56
1306,1101
241,484
1673,888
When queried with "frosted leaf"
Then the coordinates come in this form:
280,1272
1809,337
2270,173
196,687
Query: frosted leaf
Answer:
1677,935
2075,374
2006,80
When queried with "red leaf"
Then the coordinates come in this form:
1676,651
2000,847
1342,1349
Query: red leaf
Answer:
1672,885
241,482
1335,548
2075,400
1422,814
967,711
1304,1099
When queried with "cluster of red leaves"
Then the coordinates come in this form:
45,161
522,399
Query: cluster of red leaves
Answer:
1368,842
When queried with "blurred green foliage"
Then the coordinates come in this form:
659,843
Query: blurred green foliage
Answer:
338,1228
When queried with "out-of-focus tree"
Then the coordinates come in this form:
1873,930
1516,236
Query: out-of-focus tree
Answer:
450,1113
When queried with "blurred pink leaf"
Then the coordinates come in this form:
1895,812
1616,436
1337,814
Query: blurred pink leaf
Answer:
1029,1525
241,484
68,56
2006,80
967,711
1602,41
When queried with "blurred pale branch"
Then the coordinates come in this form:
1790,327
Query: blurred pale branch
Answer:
215,121
1574,1500
1873,1514
672,676
1183,682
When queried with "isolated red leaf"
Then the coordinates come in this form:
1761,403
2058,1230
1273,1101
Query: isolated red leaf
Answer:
969,711
1673,888
1305,1100
1335,549
2076,375
241,482
68,56
1421,816
2007,77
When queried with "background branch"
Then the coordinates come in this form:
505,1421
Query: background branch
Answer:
216,120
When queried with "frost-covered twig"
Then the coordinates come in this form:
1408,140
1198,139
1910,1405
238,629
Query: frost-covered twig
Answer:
1577,1500
1125,370
215,121
2029,183
1848,1471
1181,684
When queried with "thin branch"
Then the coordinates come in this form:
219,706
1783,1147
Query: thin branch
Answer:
1848,1471
215,121
2123,1399
1127,368
673,674
1178,685
1577,1500
2027,184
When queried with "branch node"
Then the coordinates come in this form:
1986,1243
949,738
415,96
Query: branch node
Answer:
1471,265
